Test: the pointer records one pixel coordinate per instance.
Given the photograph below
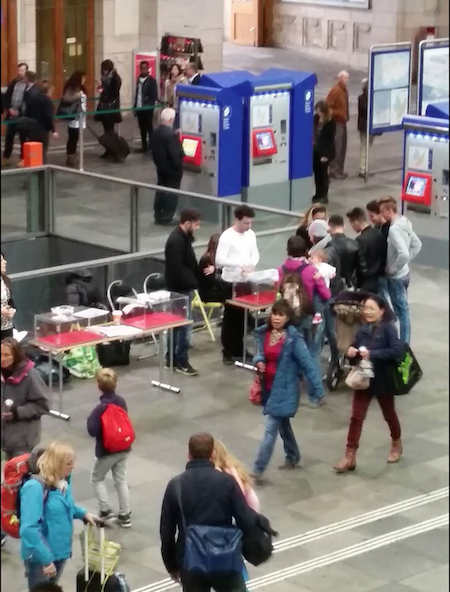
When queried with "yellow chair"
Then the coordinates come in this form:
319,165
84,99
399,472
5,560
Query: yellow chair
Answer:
197,302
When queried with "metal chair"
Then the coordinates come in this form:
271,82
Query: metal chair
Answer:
197,302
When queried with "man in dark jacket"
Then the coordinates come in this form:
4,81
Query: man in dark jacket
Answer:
345,254
14,98
209,498
373,246
182,276
146,96
168,157
106,461
193,75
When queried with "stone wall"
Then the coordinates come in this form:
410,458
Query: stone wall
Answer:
26,32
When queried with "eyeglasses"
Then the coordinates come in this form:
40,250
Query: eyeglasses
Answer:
370,309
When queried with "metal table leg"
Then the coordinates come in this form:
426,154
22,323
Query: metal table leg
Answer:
53,413
160,383
244,364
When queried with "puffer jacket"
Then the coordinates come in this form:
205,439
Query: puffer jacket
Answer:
284,397
46,530
27,390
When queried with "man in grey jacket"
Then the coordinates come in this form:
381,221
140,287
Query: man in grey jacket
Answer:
403,246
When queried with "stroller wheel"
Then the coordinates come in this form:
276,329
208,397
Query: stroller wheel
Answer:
334,374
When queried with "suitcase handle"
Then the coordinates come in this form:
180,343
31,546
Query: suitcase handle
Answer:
86,552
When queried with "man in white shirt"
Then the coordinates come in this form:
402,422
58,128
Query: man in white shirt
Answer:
237,255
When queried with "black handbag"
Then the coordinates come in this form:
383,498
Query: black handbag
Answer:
66,108
115,353
404,375
257,545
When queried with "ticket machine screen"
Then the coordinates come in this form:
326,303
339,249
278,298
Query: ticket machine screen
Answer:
264,143
416,186
417,189
190,147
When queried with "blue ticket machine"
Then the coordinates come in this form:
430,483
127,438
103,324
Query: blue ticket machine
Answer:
211,123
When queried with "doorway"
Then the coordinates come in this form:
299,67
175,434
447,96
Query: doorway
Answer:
251,22
65,41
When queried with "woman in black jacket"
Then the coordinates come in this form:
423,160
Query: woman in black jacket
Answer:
324,150
315,212
377,342
210,286
109,98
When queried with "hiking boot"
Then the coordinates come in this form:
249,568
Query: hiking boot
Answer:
124,520
396,452
108,515
187,370
348,463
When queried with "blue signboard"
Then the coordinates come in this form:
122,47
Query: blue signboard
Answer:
389,88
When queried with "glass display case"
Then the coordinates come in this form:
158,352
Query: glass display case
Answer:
154,310
259,288
67,325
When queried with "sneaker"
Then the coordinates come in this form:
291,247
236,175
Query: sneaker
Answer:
317,319
187,371
108,515
289,466
124,520
257,477
228,360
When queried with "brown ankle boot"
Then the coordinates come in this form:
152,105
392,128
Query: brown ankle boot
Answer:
348,463
396,452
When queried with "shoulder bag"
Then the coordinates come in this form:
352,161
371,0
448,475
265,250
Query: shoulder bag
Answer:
210,549
404,375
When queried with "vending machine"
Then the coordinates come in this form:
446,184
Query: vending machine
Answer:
426,165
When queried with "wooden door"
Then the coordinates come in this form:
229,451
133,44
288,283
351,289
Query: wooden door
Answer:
9,41
246,22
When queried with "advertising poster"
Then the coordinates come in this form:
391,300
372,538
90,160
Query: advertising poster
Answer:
435,72
145,56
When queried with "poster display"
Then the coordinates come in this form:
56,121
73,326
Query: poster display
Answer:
389,87
144,56
433,83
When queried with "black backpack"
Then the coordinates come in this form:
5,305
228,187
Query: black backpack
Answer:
257,546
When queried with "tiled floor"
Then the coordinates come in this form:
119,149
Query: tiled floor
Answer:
303,500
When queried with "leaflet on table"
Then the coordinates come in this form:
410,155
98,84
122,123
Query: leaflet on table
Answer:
90,313
117,331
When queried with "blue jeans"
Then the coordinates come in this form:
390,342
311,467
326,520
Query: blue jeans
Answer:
313,336
275,425
181,342
35,575
398,293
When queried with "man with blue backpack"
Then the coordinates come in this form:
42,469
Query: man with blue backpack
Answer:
201,505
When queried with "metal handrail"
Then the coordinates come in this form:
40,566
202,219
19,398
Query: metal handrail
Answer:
142,185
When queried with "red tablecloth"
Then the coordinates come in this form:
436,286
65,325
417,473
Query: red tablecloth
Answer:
153,320
69,339
260,299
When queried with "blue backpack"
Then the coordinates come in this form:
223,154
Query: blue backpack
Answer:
210,549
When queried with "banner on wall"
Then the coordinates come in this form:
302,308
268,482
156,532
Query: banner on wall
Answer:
389,87
432,82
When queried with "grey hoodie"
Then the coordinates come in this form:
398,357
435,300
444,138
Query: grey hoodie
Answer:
403,246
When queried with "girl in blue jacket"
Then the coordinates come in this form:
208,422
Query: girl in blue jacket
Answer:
47,511
281,359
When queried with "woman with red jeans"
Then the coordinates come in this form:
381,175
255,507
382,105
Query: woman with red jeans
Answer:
376,341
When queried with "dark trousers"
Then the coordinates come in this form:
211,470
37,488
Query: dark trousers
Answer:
321,176
166,203
232,326
72,140
361,403
11,131
202,583
337,166
145,121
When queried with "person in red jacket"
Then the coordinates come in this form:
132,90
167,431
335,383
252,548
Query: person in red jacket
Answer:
116,463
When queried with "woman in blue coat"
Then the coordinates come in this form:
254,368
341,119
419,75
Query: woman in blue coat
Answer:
282,357
47,512
376,341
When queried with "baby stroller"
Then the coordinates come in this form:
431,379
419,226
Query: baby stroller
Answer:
347,309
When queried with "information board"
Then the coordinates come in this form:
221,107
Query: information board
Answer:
432,83
389,88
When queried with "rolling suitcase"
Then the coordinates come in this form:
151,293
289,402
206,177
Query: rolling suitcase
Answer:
89,581
112,142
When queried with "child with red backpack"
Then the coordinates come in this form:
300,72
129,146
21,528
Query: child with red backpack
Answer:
110,425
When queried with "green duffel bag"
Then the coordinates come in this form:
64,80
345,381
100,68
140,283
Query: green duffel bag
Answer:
82,361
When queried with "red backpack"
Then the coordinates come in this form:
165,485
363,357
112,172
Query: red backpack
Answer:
118,432
17,472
